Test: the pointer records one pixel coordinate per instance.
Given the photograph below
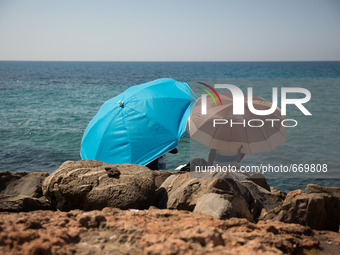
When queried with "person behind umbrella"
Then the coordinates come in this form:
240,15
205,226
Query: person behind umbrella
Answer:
221,158
153,165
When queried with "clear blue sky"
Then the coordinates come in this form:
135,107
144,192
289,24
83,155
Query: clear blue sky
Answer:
187,30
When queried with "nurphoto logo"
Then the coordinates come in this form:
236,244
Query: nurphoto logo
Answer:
238,105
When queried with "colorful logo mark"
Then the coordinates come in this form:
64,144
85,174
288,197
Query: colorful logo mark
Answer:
209,93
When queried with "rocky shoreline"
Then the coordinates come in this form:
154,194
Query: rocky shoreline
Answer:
90,207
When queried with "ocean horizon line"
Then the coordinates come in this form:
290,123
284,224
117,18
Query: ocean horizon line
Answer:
174,61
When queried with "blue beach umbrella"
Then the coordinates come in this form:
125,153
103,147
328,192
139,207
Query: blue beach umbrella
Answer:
139,125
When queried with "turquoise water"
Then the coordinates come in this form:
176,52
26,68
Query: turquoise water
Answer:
46,106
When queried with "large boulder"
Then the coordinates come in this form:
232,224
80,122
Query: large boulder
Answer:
263,199
317,207
215,205
183,191
21,183
91,184
6,177
20,191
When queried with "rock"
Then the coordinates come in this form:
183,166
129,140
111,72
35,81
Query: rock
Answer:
313,188
22,203
215,205
22,191
161,176
259,179
91,219
207,236
318,210
40,232
182,191
114,231
27,184
6,177
280,194
112,172
293,193
262,197
240,206
85,184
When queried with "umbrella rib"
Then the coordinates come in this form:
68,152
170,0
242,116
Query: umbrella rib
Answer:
158,125
143,114
170,98
247,138
212,137
216,129
104,116
125,125
104,131
279,131
266,139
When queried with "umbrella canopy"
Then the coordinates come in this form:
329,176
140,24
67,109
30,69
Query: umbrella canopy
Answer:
139,125
228,138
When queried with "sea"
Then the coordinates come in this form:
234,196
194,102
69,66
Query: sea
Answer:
46,106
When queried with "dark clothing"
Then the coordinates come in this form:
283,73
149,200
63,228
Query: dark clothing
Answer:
153,165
